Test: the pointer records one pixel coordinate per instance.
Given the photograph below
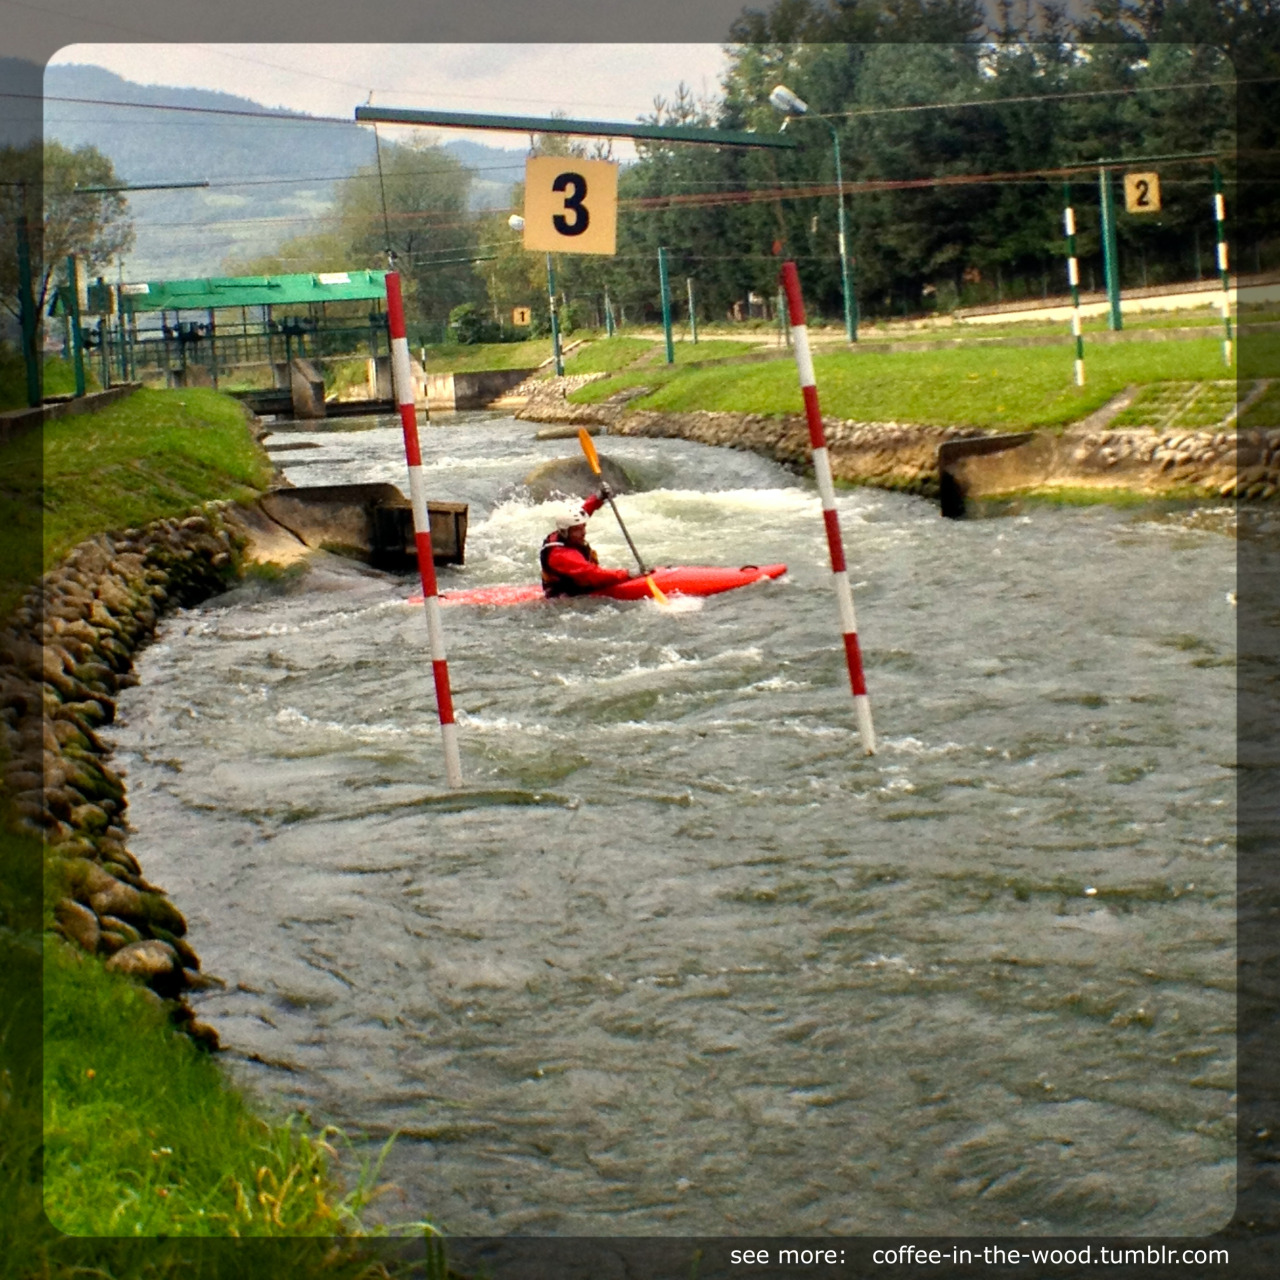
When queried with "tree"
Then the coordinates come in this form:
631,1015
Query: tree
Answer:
317,251
414,204
41,182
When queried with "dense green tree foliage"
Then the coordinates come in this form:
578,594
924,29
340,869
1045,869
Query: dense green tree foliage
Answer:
963,127
43,182
412,205
954,132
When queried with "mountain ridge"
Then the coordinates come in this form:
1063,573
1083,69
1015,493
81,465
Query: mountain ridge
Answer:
276,176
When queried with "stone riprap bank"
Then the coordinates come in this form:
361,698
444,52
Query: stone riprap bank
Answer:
64,654
904,456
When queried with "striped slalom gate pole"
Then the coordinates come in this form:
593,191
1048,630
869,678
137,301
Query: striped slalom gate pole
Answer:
827,490
403,382
1220,223
1073,279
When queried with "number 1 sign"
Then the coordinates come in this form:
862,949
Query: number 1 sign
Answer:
570,205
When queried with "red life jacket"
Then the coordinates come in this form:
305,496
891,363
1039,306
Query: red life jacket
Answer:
557,584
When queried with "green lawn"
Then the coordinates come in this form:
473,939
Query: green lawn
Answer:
1265,411
1187,406
473,357
996,387
156,1143
59,379
605,355
130,1131
687,352
150,455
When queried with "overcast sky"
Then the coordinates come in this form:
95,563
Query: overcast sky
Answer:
592,81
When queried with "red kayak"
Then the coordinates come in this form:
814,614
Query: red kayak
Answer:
671,580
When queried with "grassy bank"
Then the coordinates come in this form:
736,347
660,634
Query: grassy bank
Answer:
994,387
131,1131
59,379
475,357
143,1136
150,455
136,1135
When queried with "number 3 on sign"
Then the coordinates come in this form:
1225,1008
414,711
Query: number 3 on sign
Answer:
1142,193
570,205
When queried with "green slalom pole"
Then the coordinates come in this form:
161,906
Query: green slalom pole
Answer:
77,335
120,328
555,319
1073,279
1110,255
30,321
666,304
1220,223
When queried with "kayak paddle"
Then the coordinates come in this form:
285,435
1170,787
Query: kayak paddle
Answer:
593,460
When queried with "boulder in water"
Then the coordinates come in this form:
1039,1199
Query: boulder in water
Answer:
573,478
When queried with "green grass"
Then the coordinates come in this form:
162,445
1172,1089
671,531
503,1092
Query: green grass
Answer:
59,379
1188,406
96,1158
1264,411
998,387
475,357
687,352
142,1135
605,355
150,455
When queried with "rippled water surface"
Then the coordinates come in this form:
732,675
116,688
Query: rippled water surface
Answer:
679,958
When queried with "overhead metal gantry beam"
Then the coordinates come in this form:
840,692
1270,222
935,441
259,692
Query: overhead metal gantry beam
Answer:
585,128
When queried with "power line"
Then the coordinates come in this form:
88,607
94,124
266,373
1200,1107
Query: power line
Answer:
279,116
758,194
283,116
1047,97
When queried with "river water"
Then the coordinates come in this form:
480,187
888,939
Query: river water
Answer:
679,958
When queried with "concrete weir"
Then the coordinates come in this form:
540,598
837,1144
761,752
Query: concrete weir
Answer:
370,522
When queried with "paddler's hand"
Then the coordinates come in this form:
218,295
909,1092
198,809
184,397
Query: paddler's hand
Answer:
606,491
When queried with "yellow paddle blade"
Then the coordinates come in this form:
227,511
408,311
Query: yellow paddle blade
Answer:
658,595
589,448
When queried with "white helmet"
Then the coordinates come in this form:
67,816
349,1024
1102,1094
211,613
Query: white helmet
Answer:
571,519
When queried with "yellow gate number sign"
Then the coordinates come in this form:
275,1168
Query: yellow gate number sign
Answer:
570,205
1142,192
520,316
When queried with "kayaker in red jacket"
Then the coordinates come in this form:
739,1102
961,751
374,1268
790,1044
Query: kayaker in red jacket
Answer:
569,566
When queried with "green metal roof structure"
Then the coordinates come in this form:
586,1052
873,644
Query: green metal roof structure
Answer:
214,292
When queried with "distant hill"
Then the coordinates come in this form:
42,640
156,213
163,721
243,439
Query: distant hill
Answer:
276,177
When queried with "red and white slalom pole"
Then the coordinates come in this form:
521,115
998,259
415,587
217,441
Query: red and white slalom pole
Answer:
403,380
827,490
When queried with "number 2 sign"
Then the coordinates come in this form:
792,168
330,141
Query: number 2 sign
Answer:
570,205
1142,193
